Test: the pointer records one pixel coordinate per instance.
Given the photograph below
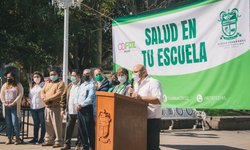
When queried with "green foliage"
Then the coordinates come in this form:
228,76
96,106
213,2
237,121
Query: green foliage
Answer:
31,31
226,112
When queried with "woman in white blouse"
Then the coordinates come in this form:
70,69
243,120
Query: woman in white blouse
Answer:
37,107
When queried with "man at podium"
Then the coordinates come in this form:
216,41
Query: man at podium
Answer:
149,90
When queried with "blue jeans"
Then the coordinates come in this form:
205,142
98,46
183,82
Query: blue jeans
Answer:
38,118
12,121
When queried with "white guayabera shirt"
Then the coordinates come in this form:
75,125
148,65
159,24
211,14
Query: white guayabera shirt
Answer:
151,87
72,95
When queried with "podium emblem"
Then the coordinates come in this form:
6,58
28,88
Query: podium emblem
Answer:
104,125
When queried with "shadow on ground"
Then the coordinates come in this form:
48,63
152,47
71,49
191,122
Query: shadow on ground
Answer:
199,147
196,135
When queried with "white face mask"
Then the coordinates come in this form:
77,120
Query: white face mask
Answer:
122,79
136,77
37,80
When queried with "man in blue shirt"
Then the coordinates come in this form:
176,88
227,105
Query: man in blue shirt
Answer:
84,103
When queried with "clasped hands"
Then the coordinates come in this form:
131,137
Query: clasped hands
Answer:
45,100
78,107
10,104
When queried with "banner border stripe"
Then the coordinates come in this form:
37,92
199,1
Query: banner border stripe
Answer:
136,18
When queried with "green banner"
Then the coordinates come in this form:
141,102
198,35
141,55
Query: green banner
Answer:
200,52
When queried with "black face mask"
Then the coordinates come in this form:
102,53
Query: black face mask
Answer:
10,81
85,78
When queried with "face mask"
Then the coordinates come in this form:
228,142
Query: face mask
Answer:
122,79
99,78
10,81
85,78
37,80
53,78
73,79
136,77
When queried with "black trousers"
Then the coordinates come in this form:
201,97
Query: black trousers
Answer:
86,127
153,136
71,121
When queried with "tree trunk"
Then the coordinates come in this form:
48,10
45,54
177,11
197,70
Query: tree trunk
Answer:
99,40
76,62
146,4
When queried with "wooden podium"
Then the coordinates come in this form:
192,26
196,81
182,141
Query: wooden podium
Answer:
121,122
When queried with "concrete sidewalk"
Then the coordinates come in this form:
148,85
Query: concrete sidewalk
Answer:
205,140
177,140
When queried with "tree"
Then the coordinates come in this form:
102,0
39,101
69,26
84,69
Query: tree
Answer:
31,31
30,34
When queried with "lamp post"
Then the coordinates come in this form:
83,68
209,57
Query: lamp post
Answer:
65,4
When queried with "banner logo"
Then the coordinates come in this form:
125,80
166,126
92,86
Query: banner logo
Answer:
199,98
229,24
126,46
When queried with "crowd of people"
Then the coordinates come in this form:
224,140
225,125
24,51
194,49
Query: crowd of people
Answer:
51,100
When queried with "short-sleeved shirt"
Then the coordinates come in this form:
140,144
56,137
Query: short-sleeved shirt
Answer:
151,87
35,97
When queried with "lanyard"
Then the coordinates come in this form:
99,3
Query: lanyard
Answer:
119,89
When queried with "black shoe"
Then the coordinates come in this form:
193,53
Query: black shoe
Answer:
40,142
33,141
66,147
86,148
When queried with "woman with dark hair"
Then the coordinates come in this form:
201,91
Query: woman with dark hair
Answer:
11,95
37,107
123,86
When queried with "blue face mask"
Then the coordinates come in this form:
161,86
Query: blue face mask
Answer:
73,79
53,78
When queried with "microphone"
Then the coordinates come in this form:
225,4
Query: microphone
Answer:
132,85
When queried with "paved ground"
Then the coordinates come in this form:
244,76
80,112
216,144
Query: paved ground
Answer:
172,140
205,140
177,140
